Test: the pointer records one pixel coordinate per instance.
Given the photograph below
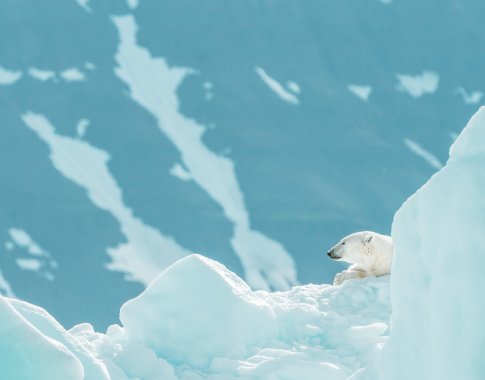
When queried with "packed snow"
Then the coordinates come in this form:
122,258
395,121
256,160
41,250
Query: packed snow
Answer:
153,84
418,85
278,88
427,156
146,250
362,92
8,77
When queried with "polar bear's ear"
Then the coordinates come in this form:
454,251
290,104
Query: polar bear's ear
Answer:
368,238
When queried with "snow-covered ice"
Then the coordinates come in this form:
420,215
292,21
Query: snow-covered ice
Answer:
278,88
427,156
418,85
437,297
146,251
153,84
197,320
26,353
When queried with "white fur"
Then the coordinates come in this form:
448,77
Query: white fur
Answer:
369,253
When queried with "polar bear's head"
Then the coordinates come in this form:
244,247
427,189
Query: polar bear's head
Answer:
353,248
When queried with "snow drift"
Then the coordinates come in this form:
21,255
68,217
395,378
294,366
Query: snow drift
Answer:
197,320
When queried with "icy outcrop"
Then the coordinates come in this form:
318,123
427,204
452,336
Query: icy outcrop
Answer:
48,326
198,320
439,258
197,309
26,353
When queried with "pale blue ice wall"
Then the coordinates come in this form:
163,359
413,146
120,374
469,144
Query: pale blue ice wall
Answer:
310,173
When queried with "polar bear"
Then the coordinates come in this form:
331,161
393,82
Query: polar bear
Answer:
369,253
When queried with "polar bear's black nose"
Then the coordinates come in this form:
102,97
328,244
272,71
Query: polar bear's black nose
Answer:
330,254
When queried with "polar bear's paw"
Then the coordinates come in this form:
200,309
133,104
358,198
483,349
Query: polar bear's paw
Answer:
348,275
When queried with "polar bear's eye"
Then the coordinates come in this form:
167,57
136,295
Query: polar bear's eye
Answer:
343,243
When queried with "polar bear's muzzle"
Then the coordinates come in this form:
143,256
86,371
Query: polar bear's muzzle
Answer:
332,255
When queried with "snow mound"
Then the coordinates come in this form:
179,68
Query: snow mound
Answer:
197,309
439,240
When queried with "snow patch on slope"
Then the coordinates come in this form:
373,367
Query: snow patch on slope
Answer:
147,251
42,75
418,85
153,85
133,4
5,288
277,87
418,150
72,75
178,171
470,98
294,87
39,260
362,92
81,128
84,4
8,77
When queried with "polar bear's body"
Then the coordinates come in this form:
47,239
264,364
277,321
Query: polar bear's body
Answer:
369,253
